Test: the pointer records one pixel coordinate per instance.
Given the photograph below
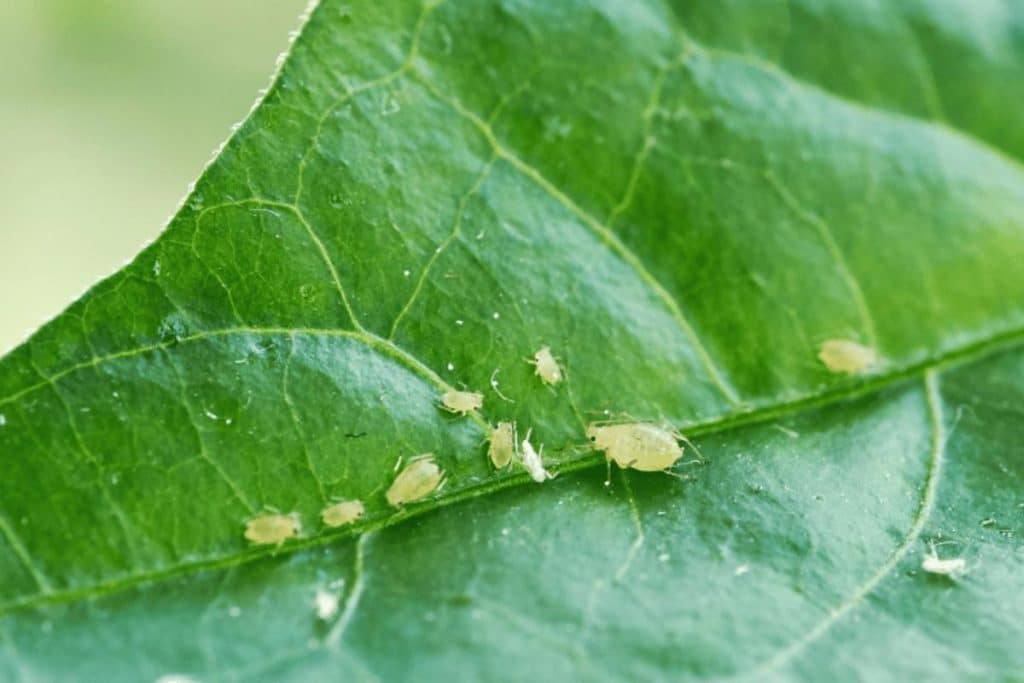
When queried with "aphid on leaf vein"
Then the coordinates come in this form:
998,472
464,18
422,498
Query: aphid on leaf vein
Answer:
546,366
637,445
340,514
419,479
843,355
273,528
952,567
462,402
533,461
502,444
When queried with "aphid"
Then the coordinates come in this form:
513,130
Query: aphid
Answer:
843,355
952,567
325,603
546,366
502,444
272,528
637,445
420,478
533,462
462,402
340,514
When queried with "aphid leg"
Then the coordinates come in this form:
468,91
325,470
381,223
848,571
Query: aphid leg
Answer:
608,475
680,477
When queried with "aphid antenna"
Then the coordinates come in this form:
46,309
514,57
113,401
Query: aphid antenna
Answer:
700,456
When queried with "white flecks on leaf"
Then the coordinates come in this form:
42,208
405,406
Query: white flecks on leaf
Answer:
462,402
844,355
342,513
273,528
419,479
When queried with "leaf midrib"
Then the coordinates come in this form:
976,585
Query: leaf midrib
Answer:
832,395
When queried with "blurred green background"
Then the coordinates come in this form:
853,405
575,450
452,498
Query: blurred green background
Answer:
108,110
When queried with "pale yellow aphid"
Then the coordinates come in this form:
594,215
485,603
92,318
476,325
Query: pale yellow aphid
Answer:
272,528
546,366
533,461
637,445
340,514
502,444
419,479
843,355
462,402
952,567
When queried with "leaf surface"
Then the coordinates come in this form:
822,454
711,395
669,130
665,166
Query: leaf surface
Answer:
683,202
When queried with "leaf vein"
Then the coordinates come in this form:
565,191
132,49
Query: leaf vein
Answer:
924,511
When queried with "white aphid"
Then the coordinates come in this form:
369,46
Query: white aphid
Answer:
272,528
462,402
325,603
419,479
502,444
637,445
533,462
952,567
843,355
546,366
340,514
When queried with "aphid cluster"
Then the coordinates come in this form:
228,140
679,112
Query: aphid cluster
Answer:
505,447
640,446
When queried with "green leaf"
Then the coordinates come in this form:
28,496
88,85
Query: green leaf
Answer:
684,202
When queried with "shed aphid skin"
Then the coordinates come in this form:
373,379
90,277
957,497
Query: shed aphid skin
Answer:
273,529
844,355
952,567
546,366
462,402
342,513
502,446
533,462
419,479
326,604
637,445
